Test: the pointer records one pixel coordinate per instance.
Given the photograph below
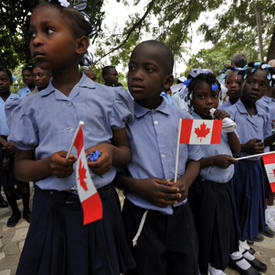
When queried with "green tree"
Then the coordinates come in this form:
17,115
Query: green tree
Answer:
14,38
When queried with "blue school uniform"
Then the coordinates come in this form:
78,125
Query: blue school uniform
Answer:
248,184
57,242
225,105
211,203
167,231
24,91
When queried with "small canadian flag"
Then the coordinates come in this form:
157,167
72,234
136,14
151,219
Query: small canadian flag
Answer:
269,164
88,195
200,131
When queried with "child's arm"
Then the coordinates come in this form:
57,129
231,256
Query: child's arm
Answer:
233,139
159,192
3,141
269,140
253,146
222,161
117,153
186,180
29,169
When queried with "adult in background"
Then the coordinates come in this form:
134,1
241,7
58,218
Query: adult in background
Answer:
28,80
110,76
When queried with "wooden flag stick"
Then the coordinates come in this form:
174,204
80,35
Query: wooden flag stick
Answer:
81,123
177,153
256,155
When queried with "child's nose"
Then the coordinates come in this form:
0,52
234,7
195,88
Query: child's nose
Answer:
138,75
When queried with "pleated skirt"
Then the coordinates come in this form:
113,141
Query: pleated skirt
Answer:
248,189
214,214
58,243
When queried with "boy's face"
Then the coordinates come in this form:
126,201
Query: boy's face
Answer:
147,77
27,77
233,84
256,86
204,99
52,42
111,78
41,77
4,82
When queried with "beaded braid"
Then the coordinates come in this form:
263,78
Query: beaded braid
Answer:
196,76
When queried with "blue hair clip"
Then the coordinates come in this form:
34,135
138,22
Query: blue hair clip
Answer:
253,70
186,82
245,76
270,83
214,87
268,76
257,64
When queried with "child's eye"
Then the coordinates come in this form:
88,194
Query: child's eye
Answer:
131,68
32,35
50,31
200,96
149,69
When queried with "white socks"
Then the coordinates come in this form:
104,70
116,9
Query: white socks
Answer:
213,271
240,261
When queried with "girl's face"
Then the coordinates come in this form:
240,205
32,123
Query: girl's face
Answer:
5,82
255,86
203,99
52,42
233,84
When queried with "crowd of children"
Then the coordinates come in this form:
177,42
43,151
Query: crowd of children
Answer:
195,222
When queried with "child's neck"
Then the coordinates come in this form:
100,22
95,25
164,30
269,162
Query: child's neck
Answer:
5,95
65,80
151,104
233,100
249,106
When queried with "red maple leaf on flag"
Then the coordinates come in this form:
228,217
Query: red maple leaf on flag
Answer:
202,132
273,173
82,176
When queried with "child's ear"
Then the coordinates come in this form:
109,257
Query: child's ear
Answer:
168,82
81,45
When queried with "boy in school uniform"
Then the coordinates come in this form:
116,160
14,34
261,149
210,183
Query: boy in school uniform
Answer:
156,212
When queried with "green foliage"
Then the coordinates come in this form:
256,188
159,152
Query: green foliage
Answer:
219,56
14,18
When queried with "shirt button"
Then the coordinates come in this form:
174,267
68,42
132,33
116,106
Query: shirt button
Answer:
70,129
163,155
156,122
69,103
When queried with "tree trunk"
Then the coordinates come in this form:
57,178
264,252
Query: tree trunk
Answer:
271,48
259,29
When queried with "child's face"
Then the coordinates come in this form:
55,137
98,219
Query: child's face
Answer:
255,87
52,42
233,84
146,76
4,82
28,77
111,77
41,77
203,99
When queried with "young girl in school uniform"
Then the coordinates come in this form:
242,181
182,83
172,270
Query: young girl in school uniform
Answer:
248,185
210,196
42,128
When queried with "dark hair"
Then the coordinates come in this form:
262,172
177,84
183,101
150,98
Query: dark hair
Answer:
106,69
239,60
7,71
209,78
80,26
168,57
27,68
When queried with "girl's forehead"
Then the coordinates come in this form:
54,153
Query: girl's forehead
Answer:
46,13
259,74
